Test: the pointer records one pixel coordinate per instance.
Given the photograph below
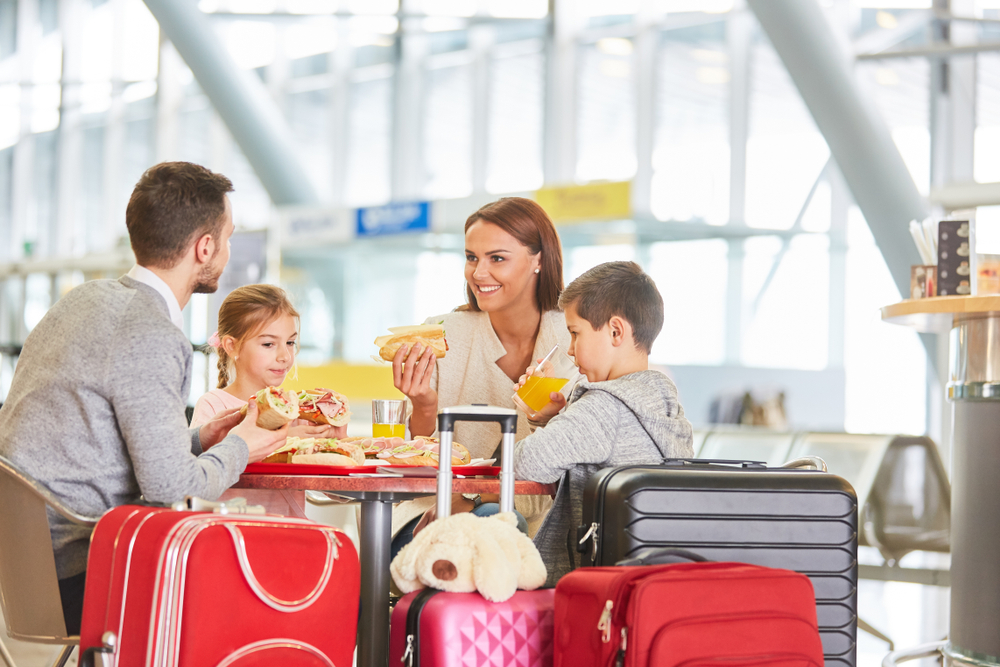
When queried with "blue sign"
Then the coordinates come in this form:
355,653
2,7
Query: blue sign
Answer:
394,219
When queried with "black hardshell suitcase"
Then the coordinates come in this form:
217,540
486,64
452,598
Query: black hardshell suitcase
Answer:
802,520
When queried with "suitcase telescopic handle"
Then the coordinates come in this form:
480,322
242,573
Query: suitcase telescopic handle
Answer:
447,417
664,556
727,462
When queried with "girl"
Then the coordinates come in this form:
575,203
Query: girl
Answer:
256,343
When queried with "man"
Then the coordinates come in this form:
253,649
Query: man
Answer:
96,408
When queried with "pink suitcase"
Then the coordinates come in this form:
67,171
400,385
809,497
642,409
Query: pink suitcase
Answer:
431,628
171,587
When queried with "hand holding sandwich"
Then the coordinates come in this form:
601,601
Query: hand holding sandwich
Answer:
260,441
412,367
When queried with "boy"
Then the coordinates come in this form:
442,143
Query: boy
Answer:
623,414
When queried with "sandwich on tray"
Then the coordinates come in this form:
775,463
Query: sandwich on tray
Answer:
427,335
276,407
318,451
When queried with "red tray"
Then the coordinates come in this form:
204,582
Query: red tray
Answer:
308,469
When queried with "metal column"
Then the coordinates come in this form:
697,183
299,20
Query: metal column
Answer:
856,135
974,388
240,99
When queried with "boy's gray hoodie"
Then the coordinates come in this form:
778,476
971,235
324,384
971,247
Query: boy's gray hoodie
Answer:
634,419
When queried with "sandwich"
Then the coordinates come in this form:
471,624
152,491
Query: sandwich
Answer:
422,452
275,408
324,406
318,451
427,335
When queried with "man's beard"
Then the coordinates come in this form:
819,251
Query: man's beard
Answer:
208,279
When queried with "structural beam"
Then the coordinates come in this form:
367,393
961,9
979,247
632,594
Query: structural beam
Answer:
858,138
241,101
966,195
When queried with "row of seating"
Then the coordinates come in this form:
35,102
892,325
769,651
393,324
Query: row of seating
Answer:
904,496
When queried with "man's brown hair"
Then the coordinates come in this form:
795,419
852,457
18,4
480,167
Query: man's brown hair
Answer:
172,204
622,289
527,222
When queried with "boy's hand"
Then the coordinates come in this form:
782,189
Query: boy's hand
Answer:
556,400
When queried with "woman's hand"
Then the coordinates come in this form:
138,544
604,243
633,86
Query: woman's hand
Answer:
412,367
303,428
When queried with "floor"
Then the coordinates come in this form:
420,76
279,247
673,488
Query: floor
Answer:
29,655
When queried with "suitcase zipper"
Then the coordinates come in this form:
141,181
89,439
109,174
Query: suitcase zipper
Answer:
411,657
620,658
591,534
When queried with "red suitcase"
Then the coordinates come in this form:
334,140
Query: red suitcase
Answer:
691,614
436,629
171,587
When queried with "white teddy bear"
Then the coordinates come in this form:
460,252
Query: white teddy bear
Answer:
465,553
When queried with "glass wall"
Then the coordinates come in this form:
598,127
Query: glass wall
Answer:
739,213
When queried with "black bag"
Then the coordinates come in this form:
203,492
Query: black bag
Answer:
737,511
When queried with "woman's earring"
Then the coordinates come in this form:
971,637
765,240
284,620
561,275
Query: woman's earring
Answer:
537,270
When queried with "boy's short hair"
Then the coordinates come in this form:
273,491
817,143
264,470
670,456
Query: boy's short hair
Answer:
173,203
622,289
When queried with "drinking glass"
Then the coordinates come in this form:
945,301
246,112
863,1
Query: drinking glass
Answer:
555,372
388,418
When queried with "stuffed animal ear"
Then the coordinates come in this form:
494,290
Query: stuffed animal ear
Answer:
533,573
404,568
493,572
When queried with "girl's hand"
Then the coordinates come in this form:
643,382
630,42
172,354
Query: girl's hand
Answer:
303,428
412,367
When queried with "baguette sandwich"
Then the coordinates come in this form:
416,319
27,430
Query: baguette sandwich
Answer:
275,408
324,406
317,451
422,452
427,335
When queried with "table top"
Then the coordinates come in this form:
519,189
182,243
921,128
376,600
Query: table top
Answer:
413,486
937,314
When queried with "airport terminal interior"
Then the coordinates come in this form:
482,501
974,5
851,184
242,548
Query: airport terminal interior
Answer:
760,159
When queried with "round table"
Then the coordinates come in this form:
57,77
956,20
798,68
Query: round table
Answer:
973,323
377,495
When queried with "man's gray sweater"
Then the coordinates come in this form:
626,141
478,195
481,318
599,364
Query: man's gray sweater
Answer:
635,419
96,411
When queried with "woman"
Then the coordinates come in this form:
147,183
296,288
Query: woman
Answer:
513,275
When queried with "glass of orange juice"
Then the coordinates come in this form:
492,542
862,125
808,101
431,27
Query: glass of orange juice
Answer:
555,372
388,418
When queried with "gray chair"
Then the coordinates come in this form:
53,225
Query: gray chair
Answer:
29,589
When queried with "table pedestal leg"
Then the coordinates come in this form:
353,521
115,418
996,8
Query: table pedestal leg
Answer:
376,539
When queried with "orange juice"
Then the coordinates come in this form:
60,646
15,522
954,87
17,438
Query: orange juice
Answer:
388,430
536,390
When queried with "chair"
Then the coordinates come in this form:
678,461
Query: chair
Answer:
29,588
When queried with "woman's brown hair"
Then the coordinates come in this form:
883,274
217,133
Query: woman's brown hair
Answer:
245,311
527,222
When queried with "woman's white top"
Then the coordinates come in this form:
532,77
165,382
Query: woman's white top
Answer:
469,374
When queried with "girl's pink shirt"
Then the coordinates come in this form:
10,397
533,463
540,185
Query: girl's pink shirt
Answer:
212,403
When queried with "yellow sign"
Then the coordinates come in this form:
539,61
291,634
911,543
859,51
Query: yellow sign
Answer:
356,381
581,203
